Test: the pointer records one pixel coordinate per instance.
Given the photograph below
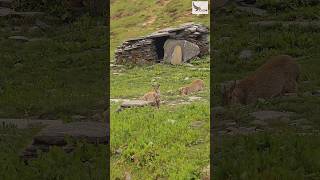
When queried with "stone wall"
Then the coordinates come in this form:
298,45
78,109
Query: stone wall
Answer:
145,50
136,51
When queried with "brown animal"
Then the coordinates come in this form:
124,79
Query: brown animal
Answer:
195,86
278,76
153,96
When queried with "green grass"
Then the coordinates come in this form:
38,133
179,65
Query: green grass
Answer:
163,141
56,77
151,143
282,154
128,22
268,157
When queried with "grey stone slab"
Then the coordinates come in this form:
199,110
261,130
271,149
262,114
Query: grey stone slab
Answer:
189,50
93,132
269,115
135,103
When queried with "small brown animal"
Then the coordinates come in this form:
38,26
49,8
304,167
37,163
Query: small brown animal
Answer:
153,96
195,86
278,76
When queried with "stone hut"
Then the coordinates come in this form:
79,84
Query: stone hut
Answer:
173,45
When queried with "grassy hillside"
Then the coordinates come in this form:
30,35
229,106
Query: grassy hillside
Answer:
284,150
148,143
133,18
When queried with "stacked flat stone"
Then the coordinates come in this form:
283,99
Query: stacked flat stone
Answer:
197,34
143,50
136,51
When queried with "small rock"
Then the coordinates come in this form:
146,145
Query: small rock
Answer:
19,38
118,151
186,79
316,93
197,124
135,103
194,98
188,64
245,55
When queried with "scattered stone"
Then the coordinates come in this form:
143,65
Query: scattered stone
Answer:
188,64
194,98
134,103
42,25
316,93
118,151
245,55
267,115
19,38
197,124
54,135
118,100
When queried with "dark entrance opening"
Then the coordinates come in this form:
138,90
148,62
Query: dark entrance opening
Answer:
159,43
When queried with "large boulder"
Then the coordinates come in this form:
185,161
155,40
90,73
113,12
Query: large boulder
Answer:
189,50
